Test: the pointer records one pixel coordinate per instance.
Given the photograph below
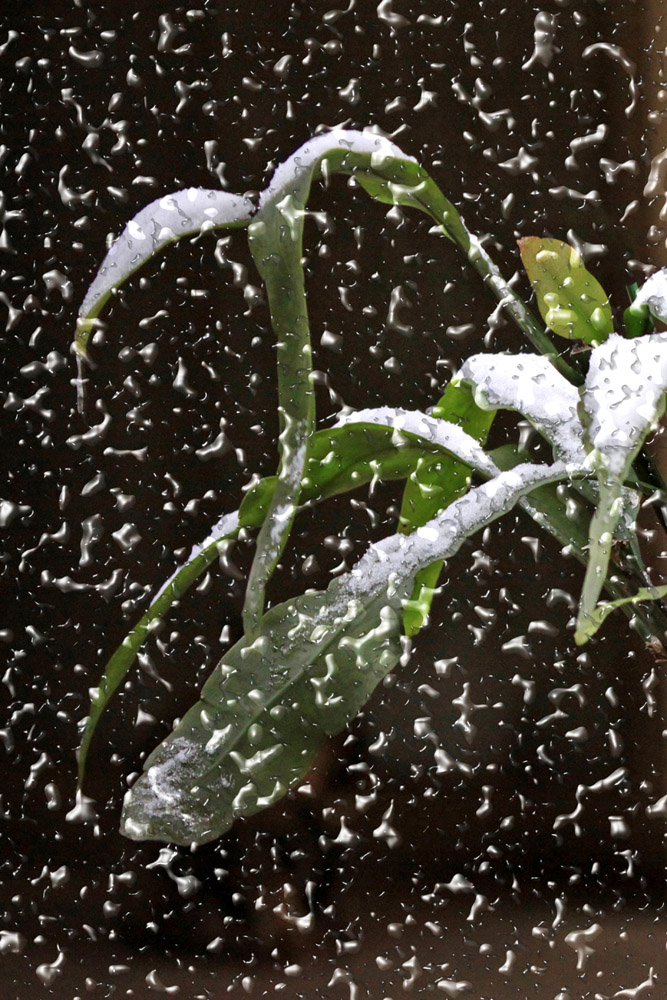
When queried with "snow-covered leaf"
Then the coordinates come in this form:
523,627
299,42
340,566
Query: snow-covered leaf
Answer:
653,295
531,385
270,702
623,400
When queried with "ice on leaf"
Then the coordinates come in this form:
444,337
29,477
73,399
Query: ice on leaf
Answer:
653,294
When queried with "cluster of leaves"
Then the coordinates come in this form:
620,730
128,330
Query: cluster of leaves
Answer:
304,668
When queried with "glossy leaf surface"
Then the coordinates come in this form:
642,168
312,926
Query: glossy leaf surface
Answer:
571,301
270,702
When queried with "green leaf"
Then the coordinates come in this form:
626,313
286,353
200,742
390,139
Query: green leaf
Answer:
598,615
341,459
276,237
637,319
623,400
263,715
163,221
434,484
123,658
571,301
565,513
271,701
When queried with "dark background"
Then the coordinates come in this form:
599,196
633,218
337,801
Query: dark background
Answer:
107,106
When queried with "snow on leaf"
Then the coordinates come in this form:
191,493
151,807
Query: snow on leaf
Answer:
623,400
271,701
433,430
653,294
531,385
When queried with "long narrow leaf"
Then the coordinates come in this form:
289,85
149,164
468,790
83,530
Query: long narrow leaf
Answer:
623,401
603,610
341,459
276,237
164,221
175,587
270,702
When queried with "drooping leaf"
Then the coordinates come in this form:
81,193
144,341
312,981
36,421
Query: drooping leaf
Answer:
434,484
270,702
529,384
406,183
263,714
571,301
172,590
163,221
276,237
341,459
557,508
564,511
623,400
430,431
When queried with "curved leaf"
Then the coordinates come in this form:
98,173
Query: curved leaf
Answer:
529,384
178,583
276,238
603,610
163,221
341,459
270,702
571,301
622,402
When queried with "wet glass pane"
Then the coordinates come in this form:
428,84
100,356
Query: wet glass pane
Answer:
478,809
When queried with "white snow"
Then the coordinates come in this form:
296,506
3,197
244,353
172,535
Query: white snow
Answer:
623,396
398,557
226,527
653,294
183,213
307,157
530,384
433,430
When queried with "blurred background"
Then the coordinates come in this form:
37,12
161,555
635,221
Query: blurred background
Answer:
502,793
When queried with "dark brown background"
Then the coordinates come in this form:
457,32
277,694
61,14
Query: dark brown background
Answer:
217,80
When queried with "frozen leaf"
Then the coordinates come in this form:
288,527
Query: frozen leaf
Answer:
531,385
436,481
165,220
276,237
340,459
271,701
623,400
653,295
